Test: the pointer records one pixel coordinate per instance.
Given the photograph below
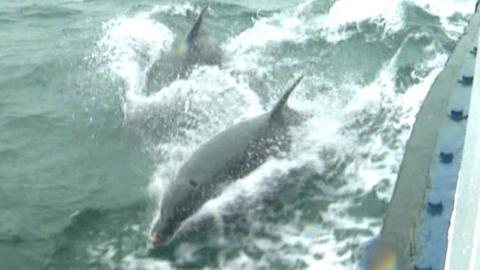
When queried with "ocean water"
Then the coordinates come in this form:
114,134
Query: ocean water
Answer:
86,153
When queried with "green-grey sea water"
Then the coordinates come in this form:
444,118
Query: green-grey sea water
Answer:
85,153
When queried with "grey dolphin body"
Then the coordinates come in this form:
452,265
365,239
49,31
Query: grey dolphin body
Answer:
230,155
202,49
197,48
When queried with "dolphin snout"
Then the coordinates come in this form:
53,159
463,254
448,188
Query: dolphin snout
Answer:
154,238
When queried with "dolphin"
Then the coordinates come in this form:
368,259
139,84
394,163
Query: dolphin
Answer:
197,48
231,154
202,49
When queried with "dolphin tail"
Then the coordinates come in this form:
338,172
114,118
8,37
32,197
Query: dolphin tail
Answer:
276,113
196,27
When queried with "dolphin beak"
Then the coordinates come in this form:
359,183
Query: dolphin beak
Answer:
154,238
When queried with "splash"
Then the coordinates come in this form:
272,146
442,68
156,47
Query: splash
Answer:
357,127
128,48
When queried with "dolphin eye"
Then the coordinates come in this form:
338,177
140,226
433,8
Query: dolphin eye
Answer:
193,183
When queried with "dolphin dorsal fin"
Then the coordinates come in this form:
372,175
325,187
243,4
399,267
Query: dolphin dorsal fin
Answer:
277,110
196,27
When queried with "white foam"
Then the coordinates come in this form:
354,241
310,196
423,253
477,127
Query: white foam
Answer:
128,47
386,13
371,161
133,262
445,10
294,26
182,9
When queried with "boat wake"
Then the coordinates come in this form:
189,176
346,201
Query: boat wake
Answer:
367,69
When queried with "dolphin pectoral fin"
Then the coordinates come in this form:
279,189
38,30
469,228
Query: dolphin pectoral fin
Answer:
276,113
192,35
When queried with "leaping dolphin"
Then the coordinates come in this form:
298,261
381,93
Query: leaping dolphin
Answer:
232,154
197,48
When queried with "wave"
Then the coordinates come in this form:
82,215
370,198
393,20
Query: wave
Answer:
327,195
84,242
47,11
